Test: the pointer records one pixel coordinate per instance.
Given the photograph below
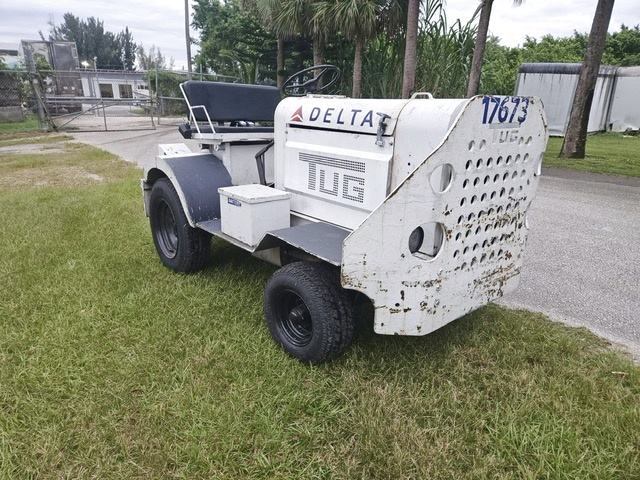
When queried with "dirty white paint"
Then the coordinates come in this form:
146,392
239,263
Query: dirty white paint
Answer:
470,198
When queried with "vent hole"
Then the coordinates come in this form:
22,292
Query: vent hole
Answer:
426,240
441,177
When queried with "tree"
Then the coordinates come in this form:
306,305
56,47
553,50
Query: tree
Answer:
481,42
411,48
575,140
357,20
127,49
152,60
92,41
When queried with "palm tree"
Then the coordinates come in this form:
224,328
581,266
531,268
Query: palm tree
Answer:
411,48
575,140
357,20
481,42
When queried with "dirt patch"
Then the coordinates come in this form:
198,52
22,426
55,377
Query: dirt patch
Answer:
31,148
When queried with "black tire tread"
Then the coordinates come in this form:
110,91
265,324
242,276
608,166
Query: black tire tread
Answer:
318,281
195,253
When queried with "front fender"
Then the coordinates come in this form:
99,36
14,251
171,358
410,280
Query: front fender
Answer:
196,178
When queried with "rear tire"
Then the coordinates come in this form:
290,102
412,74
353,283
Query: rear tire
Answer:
308,313
180,247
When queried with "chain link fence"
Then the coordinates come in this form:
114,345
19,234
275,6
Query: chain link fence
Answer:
171,108
96,100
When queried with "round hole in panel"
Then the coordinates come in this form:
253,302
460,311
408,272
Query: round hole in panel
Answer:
529,140
415,239
526,158
517,159
458,236
493,194
505,177
474,260
473,200
426,240
476,181
464,265
487,227
465,184
471,217
463,200
483,143
441,177
483,197
489,161
511,191
498,161
468,165
514,175
472,145
466,250
456,253
508,160
460,219
487,179
479,163
467,234
496,178
483,257
478,230
523,173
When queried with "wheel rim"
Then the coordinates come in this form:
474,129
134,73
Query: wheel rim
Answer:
294,318
167,232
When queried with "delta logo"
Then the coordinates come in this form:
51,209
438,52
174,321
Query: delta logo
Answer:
297,115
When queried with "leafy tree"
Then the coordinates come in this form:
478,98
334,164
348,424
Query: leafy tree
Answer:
233,40
152,60
623,47
127,49
575,140
94,42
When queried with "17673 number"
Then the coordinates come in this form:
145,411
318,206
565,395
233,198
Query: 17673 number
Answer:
504,109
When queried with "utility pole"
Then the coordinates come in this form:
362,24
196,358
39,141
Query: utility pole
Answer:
188,36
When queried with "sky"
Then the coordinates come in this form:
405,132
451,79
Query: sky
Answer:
161,22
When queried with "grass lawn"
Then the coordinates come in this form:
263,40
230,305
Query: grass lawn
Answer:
607,153
112,366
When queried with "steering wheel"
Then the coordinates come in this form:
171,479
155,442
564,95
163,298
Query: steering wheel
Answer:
316,79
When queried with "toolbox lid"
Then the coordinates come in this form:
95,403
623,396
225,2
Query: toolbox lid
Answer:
254,193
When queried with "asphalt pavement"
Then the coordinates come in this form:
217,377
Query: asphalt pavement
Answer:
582,264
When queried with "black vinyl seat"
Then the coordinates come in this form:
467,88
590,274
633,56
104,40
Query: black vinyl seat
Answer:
215,103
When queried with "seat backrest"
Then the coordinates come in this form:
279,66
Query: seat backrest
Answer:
226,102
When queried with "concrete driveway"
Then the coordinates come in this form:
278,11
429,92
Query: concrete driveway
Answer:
582,263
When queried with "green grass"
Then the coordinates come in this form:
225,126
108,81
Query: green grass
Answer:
607,153
111,366
30,124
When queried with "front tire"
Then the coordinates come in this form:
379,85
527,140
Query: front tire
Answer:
308,313
180,247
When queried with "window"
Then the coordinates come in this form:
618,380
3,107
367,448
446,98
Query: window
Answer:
125,91
106,90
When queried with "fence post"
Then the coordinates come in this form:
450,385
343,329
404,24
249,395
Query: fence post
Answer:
37,91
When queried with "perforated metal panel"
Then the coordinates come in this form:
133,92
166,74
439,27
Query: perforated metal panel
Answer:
451,237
